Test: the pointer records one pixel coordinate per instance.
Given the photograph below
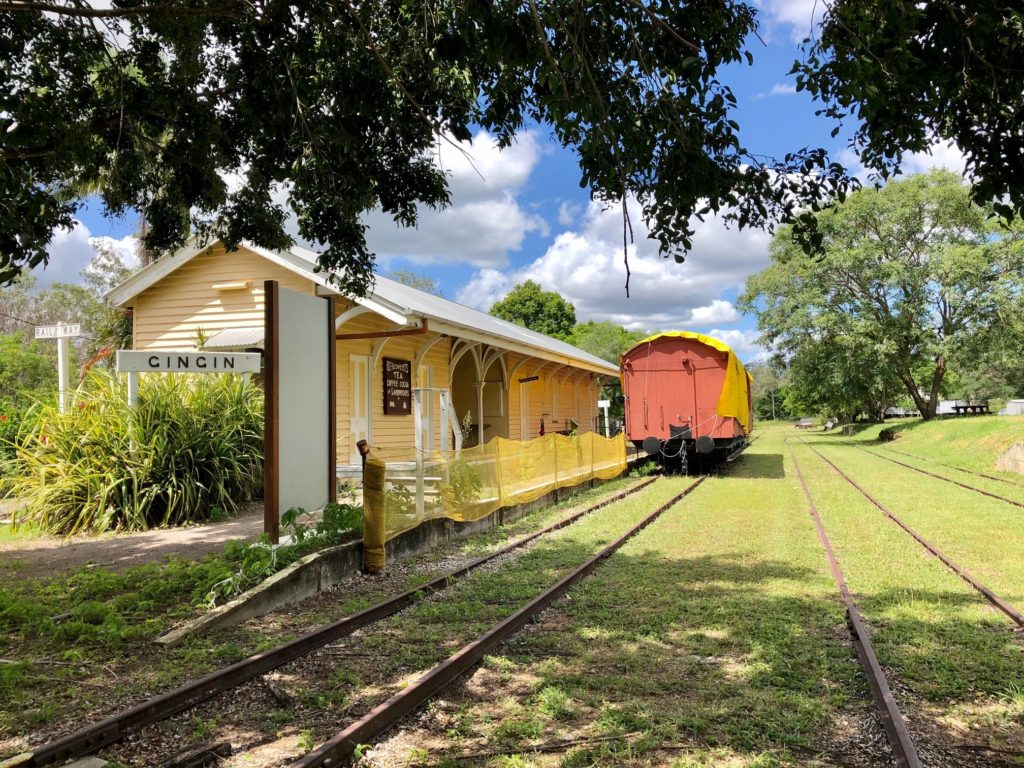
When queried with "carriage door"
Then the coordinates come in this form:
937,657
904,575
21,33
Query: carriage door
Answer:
359,418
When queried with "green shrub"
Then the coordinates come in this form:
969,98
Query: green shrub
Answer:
259,560
193,443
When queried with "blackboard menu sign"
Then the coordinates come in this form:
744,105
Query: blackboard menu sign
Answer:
397,387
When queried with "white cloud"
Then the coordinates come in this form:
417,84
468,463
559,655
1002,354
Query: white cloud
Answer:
718,311
70,251
485,221
796,18
585,266
744,343
939,155
782,89
568,213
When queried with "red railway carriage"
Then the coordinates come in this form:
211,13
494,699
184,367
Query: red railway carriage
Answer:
687,399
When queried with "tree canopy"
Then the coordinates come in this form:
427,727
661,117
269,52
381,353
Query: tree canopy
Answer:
542,311
908,73
912,276
225,118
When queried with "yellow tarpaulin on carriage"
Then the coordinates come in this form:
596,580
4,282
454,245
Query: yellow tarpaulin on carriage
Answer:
734,400
472,483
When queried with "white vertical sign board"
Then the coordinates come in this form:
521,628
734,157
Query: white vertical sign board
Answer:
303,401
604,405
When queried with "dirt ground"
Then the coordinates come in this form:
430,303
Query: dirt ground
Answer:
43,555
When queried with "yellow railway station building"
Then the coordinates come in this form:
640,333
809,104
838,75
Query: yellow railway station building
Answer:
471,368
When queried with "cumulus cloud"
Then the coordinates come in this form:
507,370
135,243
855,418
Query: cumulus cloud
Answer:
585,266
796,19
744,343
70,251
940,154
485,221
779,89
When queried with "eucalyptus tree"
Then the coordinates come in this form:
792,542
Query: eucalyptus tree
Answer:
915,271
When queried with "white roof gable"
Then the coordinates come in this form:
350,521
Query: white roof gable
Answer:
400,303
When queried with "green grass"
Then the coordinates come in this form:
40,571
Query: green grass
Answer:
943,642
970,442
71,633
984,535
715,627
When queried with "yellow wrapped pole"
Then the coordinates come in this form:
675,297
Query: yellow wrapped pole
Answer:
373,514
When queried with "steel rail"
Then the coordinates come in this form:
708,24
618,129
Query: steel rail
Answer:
892,719
959,570
384,715
112,729
941,477
970,472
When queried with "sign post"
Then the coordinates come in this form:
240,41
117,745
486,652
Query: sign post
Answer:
61,332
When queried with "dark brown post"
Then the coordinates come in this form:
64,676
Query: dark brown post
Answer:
332,413
271,388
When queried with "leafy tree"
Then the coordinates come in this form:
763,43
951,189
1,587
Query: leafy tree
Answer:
908,72
224,118
914,270
417,280
838,375
532,307
28,368
768,391
607,341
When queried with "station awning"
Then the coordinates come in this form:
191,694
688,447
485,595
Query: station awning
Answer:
236,338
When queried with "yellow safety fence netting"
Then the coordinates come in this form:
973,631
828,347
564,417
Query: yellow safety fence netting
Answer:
474,482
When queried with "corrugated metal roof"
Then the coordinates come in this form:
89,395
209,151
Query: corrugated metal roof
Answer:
417,302
236,338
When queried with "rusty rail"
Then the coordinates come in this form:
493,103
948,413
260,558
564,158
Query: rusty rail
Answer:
941,477
892,719
112,729
959,570
970,472
390,712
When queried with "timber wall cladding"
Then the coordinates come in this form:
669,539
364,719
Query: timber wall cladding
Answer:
388,431
575,399
168,315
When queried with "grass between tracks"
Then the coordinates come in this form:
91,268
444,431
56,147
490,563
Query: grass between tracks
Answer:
79,642
969,442
954,660
712,638
984,535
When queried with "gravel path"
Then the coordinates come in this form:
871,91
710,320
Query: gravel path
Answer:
44,555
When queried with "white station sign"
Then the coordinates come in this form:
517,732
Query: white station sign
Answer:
58,331
188,362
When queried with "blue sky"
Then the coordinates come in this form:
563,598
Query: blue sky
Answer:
520,214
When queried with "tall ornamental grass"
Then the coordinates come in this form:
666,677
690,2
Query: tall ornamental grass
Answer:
194,443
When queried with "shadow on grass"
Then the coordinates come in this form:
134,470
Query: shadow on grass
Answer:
766,466
739,654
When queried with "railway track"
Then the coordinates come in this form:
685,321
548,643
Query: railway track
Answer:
1010,611
970,472
946,479
343,745
892,719
110,730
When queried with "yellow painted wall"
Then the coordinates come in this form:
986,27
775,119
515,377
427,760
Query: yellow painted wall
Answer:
576,399
387,431
168,314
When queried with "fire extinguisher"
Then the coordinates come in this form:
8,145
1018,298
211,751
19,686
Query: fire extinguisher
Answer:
542,426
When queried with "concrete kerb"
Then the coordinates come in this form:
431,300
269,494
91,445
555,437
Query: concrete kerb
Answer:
317,571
